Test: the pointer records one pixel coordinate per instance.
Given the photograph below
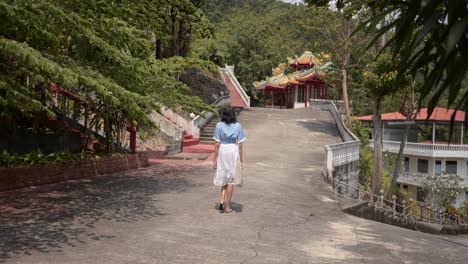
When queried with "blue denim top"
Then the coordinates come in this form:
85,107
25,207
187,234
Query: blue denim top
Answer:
229,134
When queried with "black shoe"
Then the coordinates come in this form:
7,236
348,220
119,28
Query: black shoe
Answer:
221,207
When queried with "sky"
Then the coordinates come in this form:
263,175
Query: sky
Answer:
292,1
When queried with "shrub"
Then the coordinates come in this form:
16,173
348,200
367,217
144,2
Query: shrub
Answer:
34,158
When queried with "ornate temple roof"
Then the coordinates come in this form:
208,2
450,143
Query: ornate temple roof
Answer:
306,59
313,73
279,80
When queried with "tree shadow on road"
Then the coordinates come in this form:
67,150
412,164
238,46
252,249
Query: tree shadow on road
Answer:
50,217
325,127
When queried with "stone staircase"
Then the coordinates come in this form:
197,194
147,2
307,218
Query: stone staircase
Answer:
193,148
206,133
189,140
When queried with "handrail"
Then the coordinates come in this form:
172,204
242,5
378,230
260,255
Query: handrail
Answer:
342,153
432,150
407,210
202,119
346,152
345,133
180,121
430,146
237,85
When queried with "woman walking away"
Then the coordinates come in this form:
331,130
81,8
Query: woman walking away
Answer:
229,136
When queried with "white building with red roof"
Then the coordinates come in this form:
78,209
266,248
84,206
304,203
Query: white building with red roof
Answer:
429,150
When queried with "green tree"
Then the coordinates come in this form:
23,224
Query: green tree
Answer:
427,37
100,52
336,38
381,79
440,191
255,36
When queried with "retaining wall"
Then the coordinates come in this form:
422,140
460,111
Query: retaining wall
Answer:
383,215
20,177
187,125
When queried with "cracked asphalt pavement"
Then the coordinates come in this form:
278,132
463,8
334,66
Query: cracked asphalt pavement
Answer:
166,213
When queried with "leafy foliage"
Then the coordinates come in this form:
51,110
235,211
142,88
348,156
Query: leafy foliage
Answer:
34,158
102,54
255,36
382,78
427,37
440,191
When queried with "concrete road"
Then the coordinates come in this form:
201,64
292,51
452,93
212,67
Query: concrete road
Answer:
165,213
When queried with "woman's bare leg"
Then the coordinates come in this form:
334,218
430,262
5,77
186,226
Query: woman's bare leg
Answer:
223,193
229,190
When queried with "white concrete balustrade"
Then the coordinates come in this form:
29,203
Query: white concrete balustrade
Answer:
228,71
183,123
345,152
426,150
341,159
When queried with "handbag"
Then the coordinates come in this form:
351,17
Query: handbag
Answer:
239,180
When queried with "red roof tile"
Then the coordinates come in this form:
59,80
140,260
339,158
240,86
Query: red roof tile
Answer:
439,114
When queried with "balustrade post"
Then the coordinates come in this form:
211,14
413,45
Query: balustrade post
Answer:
404,208
381,197
394,198
411,207
430,211
421,209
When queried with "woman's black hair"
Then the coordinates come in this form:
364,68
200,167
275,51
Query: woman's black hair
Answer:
228,116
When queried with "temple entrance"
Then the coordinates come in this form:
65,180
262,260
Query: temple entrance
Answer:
294,90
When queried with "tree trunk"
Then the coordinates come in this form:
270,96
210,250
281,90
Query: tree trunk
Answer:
88,127
376,182
344,75
175,37
158,49
396,171
182,38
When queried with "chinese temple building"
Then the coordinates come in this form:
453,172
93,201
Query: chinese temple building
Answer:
294,90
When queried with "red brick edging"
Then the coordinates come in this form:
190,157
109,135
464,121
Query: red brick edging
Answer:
20,177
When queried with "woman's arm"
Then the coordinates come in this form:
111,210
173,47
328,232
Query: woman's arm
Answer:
216,154
241,154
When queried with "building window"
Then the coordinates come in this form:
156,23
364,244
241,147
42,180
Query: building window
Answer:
420,195
406,167
423,166
300,94
438,167
405,187
466,196
451,167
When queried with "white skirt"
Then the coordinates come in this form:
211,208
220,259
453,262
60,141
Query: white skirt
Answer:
227,161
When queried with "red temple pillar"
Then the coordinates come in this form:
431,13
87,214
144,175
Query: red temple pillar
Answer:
264,98
286,97
272,98
281,99
306,93
294,97
132,131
